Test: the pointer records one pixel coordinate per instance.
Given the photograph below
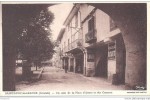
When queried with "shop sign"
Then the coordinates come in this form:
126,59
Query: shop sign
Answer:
112,51
90,57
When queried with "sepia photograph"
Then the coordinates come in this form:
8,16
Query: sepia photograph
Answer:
74,47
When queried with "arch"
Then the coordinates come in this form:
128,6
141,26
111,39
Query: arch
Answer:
131,18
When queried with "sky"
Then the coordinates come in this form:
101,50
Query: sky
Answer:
61,12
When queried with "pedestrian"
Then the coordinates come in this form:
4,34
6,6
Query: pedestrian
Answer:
66,68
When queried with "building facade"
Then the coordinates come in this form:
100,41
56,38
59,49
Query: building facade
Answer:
91,44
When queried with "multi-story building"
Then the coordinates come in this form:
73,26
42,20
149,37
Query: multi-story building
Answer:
91,44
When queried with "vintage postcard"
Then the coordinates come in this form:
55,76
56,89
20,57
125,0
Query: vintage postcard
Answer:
74,48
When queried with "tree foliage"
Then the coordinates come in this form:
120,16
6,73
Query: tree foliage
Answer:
34,41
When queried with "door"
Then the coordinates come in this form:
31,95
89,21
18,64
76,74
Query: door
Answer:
79,64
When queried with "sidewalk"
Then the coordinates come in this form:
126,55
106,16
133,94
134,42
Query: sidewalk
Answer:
101,81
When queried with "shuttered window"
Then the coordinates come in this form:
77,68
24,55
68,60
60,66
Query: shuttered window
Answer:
91,24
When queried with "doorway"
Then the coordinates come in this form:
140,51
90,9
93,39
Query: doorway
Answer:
79,63
101,66
71,64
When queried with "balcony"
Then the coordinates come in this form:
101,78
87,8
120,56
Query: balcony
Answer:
90,37
75,44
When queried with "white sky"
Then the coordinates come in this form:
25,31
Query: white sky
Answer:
61,12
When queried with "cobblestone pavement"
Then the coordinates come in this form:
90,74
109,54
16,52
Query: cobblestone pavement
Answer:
56,79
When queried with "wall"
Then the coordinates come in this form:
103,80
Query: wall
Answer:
85,30
90,69
111,69
72,32
102,25
120,64
117,65
85,10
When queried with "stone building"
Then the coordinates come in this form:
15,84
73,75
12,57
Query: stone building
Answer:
92,45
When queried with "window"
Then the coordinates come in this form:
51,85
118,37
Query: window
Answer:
79,20
62,48
73,37
76,20
68,28
91,24
90,36
68,43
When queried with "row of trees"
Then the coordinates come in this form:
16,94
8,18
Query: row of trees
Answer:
34,42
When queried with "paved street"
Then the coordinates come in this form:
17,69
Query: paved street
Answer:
56,79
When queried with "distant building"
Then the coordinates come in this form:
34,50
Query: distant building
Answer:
92,45
56,62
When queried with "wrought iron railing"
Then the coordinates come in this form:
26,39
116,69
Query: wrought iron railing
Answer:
90,37
75,44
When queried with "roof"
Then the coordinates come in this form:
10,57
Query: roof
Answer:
61,33
73,11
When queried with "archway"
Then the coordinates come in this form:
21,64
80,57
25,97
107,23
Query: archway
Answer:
132,21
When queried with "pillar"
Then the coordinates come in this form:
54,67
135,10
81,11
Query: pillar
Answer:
74,65
90,64
85,61
69,64
63,63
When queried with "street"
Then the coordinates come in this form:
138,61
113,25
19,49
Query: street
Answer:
56,79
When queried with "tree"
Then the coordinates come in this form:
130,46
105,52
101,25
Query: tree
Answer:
35,42
15,18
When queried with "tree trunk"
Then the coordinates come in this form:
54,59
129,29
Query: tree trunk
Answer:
26,70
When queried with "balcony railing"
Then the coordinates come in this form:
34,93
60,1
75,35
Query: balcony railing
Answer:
90,37
75,44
